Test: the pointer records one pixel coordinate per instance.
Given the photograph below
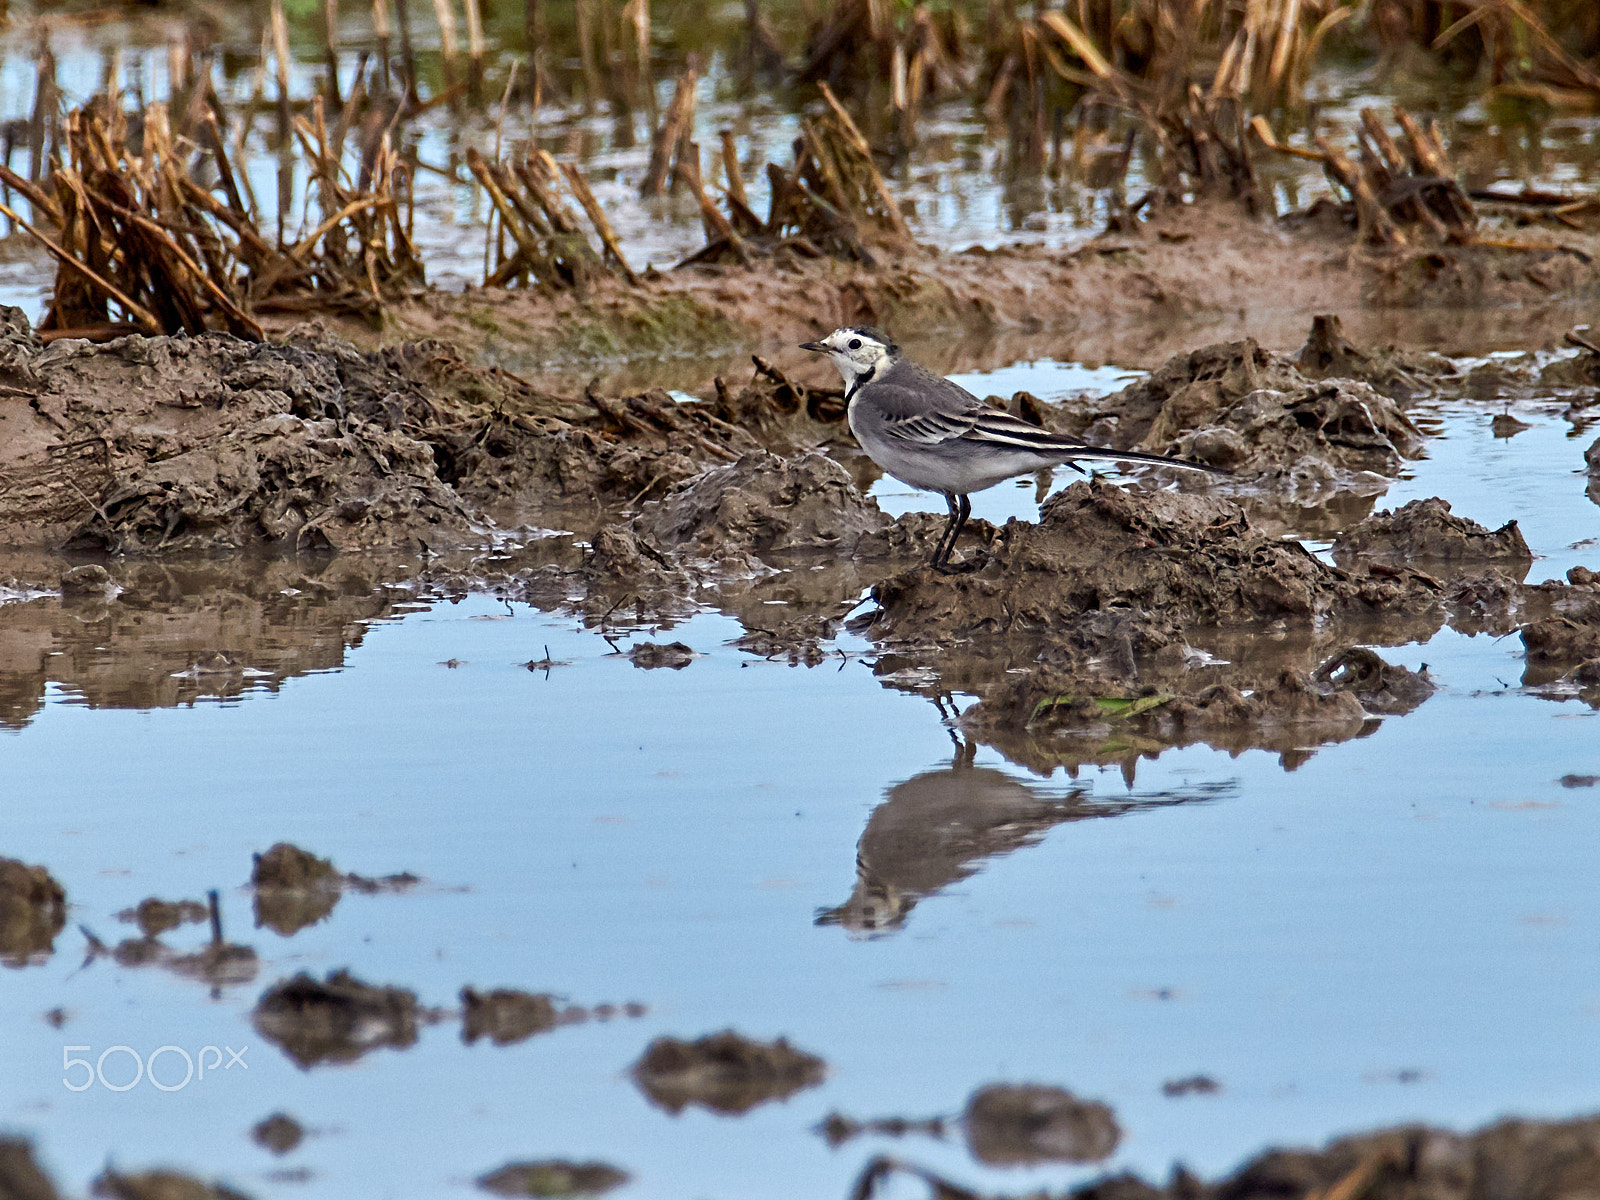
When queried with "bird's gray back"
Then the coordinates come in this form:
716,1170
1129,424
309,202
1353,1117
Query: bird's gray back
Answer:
909,403
908,389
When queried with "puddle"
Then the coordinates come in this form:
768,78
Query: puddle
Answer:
1400,927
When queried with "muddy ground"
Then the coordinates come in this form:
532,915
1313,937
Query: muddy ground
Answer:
1122,623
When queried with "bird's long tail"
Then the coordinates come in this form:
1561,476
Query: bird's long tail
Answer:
1002,429
1139,456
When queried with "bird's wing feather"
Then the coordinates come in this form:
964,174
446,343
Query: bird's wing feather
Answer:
998,427
913,404
928,429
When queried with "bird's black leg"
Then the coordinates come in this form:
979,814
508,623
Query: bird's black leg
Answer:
946,542
959,512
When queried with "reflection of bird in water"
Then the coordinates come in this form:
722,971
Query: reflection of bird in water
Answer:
936,829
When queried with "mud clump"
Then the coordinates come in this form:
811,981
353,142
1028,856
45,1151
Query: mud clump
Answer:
163,444
1290,710
161,1185
723,1072
553,1177
1020,1124
148,444
1238,406
611,449
799,639
505,1016
1565,637
622,568
278,1134
1530,1160
1401,374
764,504
33,909
88,582
1427,531
288,866
294,888
155,916
1382,687
21,1177
1105,563
336,1021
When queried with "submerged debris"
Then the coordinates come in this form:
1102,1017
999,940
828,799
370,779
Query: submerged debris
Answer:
1018,1124
279,1133
337,1020
650,656
836,1129
293,889
723,1072
33,909
1190,1085
155,916
161,1185
505,1015
553,1177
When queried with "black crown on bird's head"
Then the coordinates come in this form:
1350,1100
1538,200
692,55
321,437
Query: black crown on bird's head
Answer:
876,334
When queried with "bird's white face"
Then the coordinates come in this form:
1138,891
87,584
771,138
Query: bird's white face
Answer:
857,352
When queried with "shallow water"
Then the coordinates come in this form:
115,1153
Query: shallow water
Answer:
1399,928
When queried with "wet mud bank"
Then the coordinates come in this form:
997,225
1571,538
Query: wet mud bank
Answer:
1127,620
1187,266
169,445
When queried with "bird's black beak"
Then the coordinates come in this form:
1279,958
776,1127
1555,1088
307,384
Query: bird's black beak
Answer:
817,346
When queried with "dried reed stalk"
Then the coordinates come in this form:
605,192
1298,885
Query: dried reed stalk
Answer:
676,129
136,231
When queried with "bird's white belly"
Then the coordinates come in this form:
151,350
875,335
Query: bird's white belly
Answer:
956,470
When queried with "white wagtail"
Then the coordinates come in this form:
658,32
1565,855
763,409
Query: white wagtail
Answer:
937,436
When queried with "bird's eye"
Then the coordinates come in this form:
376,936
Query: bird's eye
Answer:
855,343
